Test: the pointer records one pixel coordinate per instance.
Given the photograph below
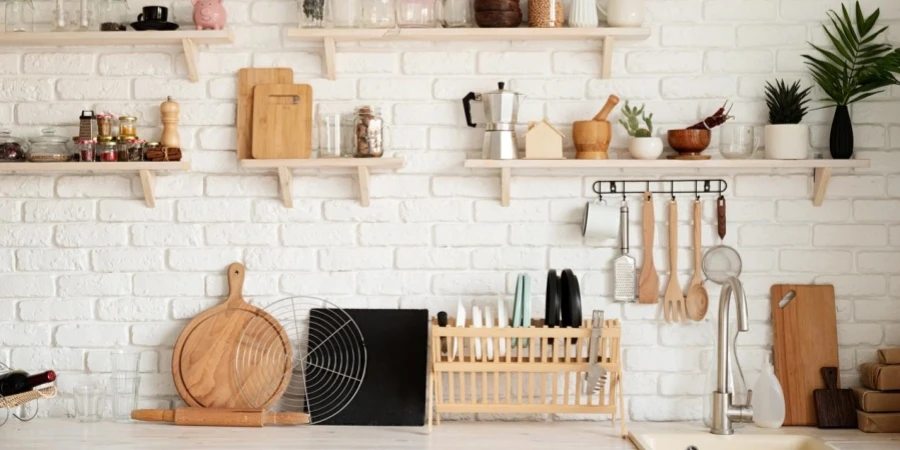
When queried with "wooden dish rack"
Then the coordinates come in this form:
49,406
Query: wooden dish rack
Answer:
542,372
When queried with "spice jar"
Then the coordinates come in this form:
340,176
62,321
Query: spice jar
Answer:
128,126
545,13
86,149
369,128
106,151
113,15
104,126
136,150
12,149
49,148
122,148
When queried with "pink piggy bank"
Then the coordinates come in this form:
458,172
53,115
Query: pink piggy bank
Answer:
209,14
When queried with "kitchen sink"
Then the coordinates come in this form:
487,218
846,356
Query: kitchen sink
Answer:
707,441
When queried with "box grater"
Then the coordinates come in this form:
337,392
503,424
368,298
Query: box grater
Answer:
624,265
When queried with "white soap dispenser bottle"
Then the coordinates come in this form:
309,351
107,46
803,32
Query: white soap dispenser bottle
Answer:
768,398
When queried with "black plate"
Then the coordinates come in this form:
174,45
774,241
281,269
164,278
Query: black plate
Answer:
570,294
552,311
154,26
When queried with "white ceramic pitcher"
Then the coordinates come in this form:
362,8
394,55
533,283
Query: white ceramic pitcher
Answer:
624,13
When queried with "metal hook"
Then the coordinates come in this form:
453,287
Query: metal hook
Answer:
672,189
706,186
696,192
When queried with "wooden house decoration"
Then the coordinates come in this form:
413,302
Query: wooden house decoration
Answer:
543,141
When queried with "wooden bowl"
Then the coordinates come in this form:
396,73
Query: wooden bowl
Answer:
689,143
591,138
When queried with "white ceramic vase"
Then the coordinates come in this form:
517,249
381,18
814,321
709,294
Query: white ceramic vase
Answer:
646,148
790,141
583,14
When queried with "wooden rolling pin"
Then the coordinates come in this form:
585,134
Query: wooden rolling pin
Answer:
220,417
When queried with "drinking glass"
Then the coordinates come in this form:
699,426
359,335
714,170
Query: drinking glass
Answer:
344,13
124,362
377,14
124,392
329,135
416,13
739,141
88,403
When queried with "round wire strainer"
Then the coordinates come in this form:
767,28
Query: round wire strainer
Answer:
721,263
328,360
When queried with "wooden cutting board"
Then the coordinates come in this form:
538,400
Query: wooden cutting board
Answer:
247,80
805,341
205,363
282,121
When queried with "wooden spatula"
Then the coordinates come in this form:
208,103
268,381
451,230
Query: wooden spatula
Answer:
673,307
835,408
648,287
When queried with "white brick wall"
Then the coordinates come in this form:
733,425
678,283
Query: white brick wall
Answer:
85,266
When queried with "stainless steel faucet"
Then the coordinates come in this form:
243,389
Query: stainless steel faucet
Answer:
724,412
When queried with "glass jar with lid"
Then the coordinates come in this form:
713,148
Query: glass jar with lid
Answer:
106,151
136,150
19,16
416,13
87,150
369,132
105,123
49,147
113,15
12,149
546,13
128,126
122,148
377,14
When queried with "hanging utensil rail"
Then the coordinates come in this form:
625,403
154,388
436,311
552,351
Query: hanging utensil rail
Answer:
700,186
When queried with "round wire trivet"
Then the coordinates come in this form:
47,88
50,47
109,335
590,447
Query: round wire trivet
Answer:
328,362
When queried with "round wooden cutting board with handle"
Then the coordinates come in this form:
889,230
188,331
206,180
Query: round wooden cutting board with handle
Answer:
204,363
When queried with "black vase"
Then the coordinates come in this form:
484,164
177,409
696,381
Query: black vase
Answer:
841,134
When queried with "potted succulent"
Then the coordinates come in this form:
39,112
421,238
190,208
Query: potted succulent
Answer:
786,138
643,145
860,66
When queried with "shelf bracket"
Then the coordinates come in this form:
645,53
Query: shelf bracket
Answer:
821,178
286,186
190,56
330,50
606,70
363,181
148,184
504,185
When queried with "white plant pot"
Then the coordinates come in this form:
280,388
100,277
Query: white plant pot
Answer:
787,141
645,148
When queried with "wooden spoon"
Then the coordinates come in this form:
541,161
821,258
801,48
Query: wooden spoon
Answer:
648,290
697,298
674,298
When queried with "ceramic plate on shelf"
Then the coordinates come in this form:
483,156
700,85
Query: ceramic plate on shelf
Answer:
154,26
526,304
476,323
502,322
489,323
517,307
460,323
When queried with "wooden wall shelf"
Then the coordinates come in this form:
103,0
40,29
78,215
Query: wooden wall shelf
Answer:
188,39
146,170
330,37
821,168
285,168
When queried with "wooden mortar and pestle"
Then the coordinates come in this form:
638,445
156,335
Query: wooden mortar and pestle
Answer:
592,136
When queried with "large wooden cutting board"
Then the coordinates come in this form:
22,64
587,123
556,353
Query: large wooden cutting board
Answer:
282,121
805,341
247,80
233,355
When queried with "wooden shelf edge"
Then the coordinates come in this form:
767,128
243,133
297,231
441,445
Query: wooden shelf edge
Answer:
576,164
109,167
324,163
115,39
457,34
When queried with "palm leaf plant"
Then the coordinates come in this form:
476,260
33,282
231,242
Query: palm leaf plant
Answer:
856,68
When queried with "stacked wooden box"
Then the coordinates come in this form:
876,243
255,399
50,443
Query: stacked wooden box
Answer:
879,398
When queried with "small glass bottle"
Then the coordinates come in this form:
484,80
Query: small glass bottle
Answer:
128,126
113,15
122,149
19,16
136,150
377,14
86,149
369,132
416,13
106,152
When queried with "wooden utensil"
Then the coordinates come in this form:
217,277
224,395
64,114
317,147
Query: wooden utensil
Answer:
282,121
674,298
689,143
721,226
697,302
648,290
220,417
805,331
835,408
248,79
203,362
592,137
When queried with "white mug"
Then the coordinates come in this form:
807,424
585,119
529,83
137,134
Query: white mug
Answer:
624,13
600,220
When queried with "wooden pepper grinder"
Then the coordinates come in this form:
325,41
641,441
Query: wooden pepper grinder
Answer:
168,112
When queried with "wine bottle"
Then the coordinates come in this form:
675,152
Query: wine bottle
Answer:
17,381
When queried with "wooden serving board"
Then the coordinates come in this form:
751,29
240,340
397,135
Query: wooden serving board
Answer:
247,80
282,121
805,341
204,364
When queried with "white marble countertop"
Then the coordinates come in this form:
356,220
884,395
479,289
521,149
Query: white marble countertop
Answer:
68,434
